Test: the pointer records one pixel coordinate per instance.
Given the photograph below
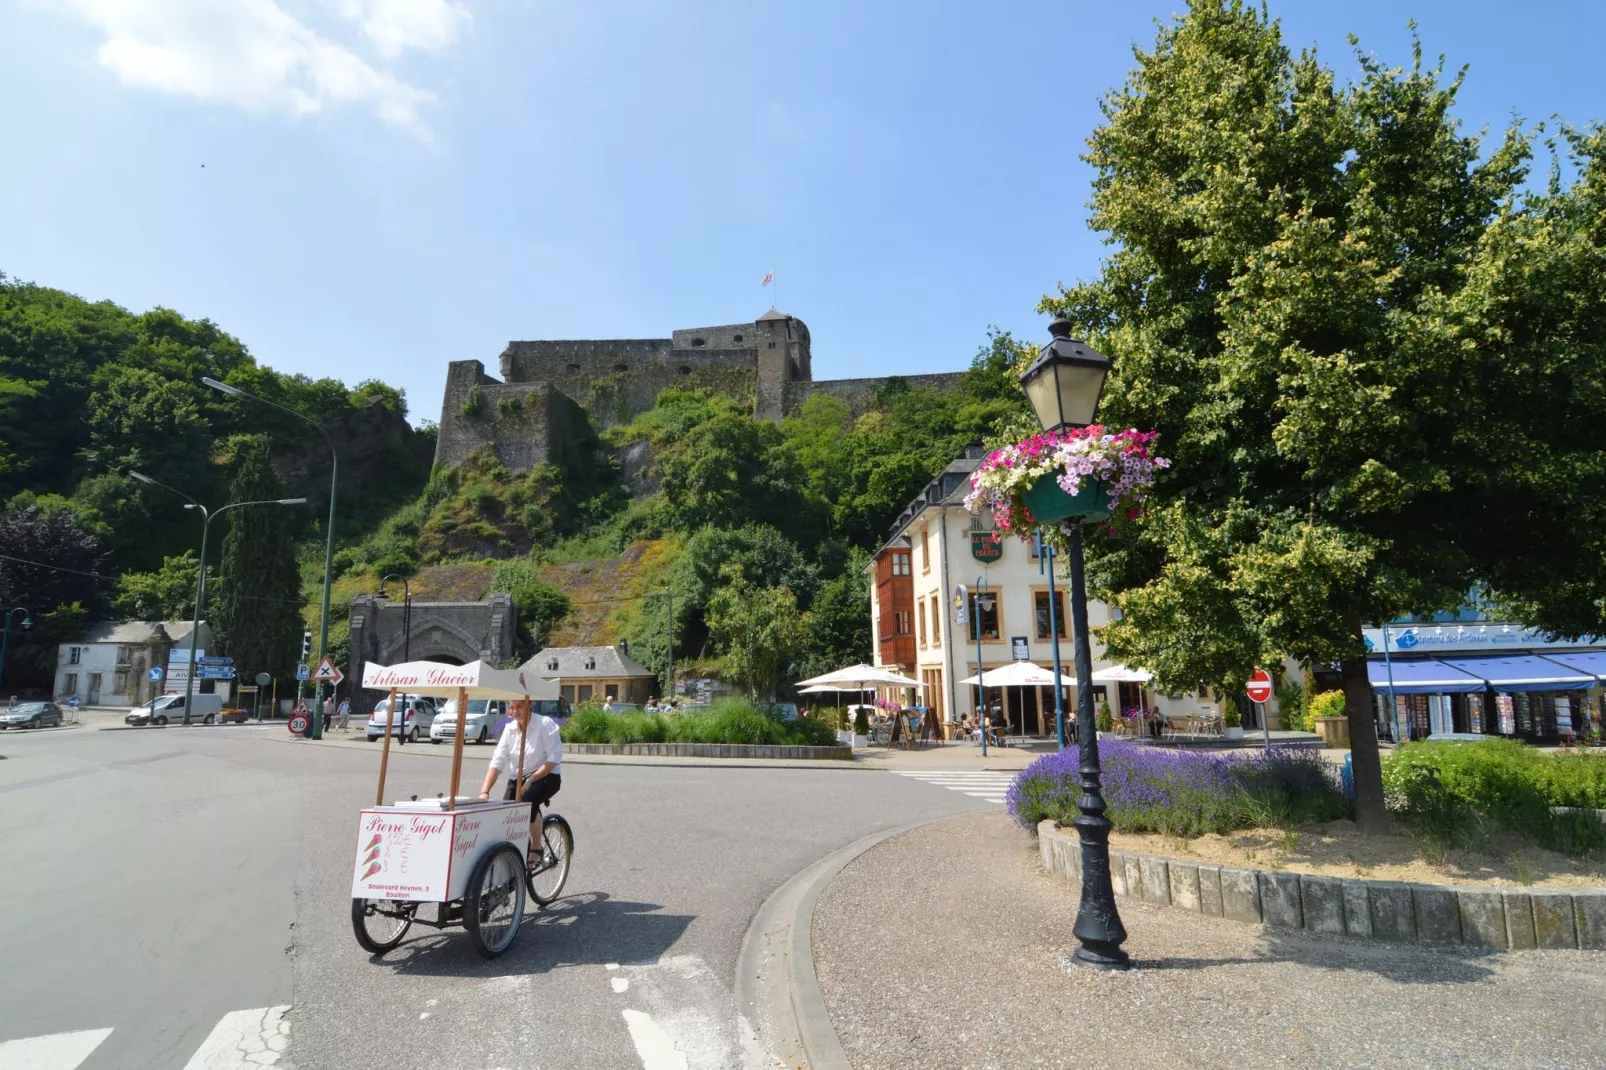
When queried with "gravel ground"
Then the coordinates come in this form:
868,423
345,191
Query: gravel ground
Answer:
947,947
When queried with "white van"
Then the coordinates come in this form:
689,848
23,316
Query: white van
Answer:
164,708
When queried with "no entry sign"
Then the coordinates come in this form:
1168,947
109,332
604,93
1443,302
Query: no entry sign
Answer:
1259,686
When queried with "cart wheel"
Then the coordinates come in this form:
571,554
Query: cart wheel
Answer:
380,924
547,879
494,905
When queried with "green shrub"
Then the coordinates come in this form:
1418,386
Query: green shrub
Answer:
588,726
1325,704
861,722
1293,699
1106,720
727,721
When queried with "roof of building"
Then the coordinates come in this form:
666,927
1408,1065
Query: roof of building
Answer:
606,663
772,316
949,488
136,631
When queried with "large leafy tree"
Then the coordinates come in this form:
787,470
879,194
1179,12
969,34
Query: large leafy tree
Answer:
256,610
1289,304
168,593
757,629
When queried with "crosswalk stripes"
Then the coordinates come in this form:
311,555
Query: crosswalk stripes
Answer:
975,783
241,1039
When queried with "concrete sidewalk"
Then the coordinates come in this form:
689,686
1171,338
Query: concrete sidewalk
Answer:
947,946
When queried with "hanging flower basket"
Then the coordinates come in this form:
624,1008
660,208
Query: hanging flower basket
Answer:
1055,478
1049,504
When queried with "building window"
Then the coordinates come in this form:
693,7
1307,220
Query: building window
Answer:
900,564
585,692
738,338
922,622
74,654
552,664
1041,601
986,614
572,369
900,621
120,681
591,664
69,684
698,343
936,620
925,549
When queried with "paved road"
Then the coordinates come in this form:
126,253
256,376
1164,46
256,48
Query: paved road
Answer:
174,891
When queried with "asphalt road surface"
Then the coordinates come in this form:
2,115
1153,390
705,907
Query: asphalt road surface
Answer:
179,899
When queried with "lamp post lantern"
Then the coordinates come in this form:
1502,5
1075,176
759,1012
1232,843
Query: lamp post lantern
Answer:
316,730
983,599
407,631
5,633
1064,386
200,580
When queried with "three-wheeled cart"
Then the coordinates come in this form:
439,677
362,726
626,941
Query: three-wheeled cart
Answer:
462,858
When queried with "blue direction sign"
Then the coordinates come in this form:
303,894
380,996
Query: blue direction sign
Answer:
215,672
154,675
214,661
75,702
303,672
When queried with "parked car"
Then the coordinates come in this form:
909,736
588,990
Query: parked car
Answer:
558,709
416,717
478,723
31,715
165,708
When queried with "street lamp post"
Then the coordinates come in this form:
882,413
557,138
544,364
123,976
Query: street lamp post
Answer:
982,599
316,731
200,580
407,631
1064,385
5,635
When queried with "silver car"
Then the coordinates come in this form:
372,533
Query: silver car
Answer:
415,717
479,723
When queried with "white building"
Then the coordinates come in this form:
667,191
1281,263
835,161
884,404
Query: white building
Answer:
936,548
110,664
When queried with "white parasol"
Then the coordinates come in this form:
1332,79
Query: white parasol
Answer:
1120,674
862,677
1021,674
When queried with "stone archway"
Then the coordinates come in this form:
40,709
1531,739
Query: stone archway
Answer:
450,632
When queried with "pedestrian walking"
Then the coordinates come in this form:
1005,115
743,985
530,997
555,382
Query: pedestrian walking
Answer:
345,715
325,712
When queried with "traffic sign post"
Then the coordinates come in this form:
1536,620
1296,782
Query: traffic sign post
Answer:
327,671
303,673
1259,691
154,675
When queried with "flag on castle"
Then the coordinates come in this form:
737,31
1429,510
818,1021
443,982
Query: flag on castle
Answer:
768,279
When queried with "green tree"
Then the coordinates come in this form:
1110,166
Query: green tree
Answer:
1288,253
165,594
757,629
256,607
541,606
839,621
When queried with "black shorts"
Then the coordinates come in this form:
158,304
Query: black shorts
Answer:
539,792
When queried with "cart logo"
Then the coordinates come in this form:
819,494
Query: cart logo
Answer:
986,546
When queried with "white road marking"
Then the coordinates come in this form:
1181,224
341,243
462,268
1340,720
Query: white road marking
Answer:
654,1046
975,783
56,1051
242,1040
620,984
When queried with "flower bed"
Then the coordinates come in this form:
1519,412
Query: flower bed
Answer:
1185,793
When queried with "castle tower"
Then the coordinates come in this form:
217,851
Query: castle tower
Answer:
783,358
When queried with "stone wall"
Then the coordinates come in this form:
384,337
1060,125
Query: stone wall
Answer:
860,393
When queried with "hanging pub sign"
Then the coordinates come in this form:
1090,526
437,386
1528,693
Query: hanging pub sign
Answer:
986,546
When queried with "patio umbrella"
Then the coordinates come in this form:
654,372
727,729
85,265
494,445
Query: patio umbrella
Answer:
1120,674
1021,674
862,678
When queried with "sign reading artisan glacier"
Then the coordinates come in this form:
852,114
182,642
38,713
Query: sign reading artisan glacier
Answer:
1442,638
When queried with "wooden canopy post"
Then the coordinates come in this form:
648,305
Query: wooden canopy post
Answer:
524,731
384,752
457,746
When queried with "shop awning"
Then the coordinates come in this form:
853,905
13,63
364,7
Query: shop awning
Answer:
1590,661
1420,676
1523,672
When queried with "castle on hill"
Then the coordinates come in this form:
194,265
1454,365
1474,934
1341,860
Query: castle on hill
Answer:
550,387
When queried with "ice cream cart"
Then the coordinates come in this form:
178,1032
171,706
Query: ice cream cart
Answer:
464,857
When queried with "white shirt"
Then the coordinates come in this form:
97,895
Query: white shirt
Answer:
541,745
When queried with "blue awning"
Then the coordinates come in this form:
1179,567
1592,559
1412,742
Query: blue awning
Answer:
1523,672
1420,676
1590,661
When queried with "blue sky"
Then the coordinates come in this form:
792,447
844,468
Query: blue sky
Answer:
392,184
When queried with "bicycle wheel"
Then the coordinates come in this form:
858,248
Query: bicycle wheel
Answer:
380,924
546,880
494,906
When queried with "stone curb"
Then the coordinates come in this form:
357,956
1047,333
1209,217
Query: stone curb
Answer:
712,750
1497,917
777,991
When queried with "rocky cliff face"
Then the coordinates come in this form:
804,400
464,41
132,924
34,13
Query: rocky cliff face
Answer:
384,462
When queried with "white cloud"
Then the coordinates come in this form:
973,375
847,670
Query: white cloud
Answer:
248,53
395,25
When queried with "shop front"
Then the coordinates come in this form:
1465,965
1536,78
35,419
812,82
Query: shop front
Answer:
1541,699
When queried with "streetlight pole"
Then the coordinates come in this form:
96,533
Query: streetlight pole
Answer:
407,635
5,635
1064,386
981,593
1046,555
329,542
200,581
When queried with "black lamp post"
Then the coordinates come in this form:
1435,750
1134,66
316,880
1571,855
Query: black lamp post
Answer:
5,634
407,629
984,600
1064,385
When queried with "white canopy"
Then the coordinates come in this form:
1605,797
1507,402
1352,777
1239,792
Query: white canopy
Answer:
821,689
860,677
1120,674
1021,674
479,679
